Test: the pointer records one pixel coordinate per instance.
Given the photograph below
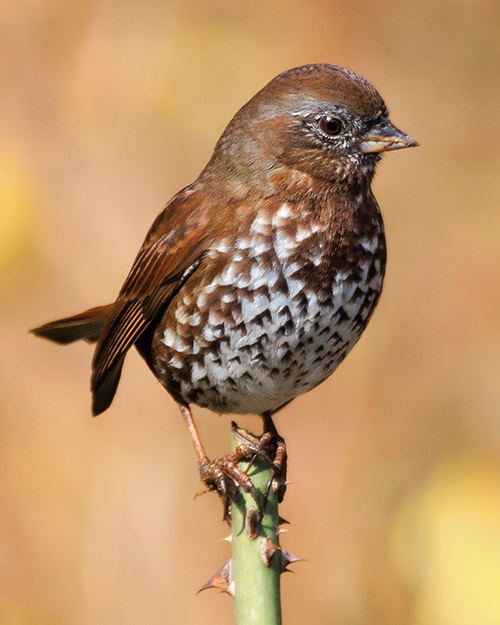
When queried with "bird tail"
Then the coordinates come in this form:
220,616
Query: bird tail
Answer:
86,326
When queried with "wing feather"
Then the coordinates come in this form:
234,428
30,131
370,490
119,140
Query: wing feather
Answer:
171,252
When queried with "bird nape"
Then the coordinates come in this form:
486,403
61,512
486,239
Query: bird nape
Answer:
256,280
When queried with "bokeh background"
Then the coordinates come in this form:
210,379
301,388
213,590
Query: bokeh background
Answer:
108,108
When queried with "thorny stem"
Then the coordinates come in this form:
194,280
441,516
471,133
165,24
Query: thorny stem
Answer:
256,586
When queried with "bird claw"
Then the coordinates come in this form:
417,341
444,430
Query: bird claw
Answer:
271,447
225,477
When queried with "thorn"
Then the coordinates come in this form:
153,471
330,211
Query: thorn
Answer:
229,538
282,521
280,530
252,523
221,580
267,550
288,482
287,558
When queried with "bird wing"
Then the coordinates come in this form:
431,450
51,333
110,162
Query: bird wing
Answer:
170,253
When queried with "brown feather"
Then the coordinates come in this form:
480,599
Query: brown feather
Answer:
170,253
86,326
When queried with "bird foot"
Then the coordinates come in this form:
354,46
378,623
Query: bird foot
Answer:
224,475
272,447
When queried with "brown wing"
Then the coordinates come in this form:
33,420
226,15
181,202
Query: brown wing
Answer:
170,253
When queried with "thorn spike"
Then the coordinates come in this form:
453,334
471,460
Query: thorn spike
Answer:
221,580
287,558
267,550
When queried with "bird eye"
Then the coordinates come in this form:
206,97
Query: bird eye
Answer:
331,126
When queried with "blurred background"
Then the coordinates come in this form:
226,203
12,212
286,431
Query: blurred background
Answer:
107,109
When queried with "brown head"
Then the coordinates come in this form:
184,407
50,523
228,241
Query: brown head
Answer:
321,120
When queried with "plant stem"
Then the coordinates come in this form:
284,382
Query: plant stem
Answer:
256,586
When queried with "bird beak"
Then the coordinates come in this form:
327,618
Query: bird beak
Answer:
384,136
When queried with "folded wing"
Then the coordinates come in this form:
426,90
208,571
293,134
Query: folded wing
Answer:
171,252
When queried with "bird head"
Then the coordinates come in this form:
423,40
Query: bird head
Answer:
323,121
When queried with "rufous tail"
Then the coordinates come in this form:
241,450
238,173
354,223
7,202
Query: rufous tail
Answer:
86,326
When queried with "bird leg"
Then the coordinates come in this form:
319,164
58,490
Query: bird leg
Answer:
223,474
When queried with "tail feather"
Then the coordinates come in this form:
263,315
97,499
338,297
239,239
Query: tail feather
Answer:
86,326
103,395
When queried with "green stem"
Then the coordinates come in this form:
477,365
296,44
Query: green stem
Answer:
256,586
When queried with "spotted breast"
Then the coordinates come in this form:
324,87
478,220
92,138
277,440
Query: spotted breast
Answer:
274,309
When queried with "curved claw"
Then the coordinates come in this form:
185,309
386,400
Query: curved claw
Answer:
277,479
271,447
224,476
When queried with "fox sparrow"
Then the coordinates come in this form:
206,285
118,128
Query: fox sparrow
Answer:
255,281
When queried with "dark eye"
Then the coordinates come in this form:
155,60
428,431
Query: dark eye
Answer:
330,125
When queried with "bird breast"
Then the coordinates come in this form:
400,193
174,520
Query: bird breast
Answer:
270,317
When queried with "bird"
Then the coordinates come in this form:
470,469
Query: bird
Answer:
255,281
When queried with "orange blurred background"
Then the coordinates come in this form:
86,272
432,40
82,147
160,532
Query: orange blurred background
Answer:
109,108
